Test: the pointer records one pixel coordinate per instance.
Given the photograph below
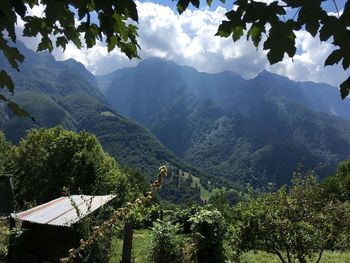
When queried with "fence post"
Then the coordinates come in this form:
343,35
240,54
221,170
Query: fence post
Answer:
127,242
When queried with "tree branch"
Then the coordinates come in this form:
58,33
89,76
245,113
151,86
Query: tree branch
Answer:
336,7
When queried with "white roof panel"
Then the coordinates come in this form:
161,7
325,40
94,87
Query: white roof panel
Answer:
64,211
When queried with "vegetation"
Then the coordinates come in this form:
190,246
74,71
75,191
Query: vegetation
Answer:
64,93
142,243
339,183
166,244
299,223
4,239
115,28
54,159
235,131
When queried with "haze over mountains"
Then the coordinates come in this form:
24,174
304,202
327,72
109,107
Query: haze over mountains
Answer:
219,127
65,93
253,131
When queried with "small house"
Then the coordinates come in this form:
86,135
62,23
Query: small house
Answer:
48,229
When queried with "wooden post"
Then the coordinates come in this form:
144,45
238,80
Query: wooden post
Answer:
12,225
127,242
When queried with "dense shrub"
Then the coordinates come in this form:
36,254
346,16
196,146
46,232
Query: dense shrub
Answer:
50,159
297,223
208,230
166,243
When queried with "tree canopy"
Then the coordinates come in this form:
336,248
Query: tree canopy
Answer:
50,161
297,224
113,22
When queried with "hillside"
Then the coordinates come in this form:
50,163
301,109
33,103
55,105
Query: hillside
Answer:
65,93
254,131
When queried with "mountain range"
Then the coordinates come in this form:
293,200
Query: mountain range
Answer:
235,130
65,93
220,128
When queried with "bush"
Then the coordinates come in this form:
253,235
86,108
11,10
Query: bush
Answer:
166,243
208,230
297,223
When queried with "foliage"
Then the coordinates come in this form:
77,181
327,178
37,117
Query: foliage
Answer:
166,244
263,257
58,20
50,159
144,216
235,131
113,26
208,228
142,241
5,148
292,223
4,239
98,251
64,93
339,183
257,19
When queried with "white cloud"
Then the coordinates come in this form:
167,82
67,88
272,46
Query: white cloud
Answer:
189,39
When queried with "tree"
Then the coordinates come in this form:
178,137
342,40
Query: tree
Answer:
48,160
339,183
5,148
111,21
295,224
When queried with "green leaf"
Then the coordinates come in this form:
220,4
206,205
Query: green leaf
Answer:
112,43
225,29
255,33
310,15
3,98
330,26
182,5
19,6
209,2
61,42
345,88
12,54
6,81
130,7
18,111
346,62
45,43
334,57
195,3
281,40
237,32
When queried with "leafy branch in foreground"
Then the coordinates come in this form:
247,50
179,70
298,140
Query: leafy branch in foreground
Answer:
118,215
62,22
258,19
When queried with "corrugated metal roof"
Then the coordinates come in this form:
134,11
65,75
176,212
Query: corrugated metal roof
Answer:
64,211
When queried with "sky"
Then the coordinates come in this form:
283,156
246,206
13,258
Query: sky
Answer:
188,39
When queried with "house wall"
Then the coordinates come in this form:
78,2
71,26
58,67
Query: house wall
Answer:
44,243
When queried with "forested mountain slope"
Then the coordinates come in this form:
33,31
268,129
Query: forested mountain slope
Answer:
65,93
254,131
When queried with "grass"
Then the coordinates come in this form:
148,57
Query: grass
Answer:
263,257
141,247
205,194
4,238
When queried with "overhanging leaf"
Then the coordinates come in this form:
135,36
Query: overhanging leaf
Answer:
345,88
18,111
182,5
334,57
237,32
6,81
